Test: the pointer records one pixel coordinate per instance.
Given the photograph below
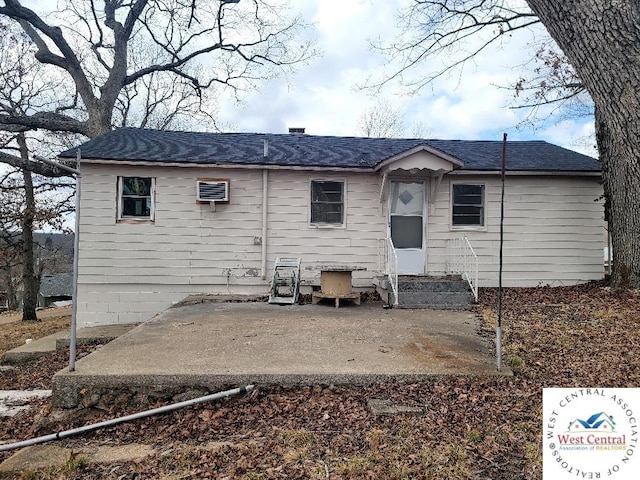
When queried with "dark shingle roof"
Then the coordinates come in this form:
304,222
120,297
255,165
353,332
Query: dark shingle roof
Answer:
57,285
131,145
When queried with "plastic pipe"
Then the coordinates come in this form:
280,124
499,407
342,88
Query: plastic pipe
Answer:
126,418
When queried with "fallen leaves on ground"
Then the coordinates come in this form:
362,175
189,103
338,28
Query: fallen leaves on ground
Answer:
583,336
37,374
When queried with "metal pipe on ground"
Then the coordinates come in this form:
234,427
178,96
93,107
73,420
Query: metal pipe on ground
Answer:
126,418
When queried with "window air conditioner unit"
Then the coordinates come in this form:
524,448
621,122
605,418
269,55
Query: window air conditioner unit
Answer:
213,191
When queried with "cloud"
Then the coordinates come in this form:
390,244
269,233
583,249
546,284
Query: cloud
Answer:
472,103
576,134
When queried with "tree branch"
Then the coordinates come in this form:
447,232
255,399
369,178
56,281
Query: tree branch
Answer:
47,120
69,62
35,167
436,27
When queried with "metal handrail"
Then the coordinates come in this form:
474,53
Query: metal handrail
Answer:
392,269
464,261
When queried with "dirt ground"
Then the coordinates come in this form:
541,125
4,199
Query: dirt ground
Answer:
14,332
458,427
45,313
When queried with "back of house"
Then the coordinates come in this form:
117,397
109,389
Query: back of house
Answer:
168,214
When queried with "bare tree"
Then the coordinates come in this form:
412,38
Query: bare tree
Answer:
94,65
381,121
162,100
27,206
22,91
600,40
550,89
10,240
204,43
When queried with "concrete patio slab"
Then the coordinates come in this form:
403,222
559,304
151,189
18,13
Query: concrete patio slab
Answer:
203,347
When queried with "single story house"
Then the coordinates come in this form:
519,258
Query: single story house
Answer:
165,214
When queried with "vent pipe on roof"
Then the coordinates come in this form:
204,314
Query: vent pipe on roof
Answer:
266,148
296,129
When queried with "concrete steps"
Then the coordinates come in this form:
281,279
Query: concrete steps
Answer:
58,341
437,293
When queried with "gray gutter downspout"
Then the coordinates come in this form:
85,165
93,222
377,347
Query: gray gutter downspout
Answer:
265,198
127,418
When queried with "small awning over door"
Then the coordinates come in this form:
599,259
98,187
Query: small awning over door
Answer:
423,161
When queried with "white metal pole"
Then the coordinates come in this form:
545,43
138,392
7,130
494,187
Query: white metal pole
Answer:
76,243
265,204
76,251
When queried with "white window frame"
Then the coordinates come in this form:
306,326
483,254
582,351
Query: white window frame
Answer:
152,194
344,203
482,227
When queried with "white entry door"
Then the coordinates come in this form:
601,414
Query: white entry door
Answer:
407,214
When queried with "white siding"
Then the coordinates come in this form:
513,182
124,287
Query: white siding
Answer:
553,230
359,243
131,271
128,272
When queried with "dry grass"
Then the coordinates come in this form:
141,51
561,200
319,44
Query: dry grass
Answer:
14,334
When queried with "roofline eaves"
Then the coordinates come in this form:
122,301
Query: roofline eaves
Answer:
253,166
515,173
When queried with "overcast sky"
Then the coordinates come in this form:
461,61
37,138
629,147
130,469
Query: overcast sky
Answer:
323,97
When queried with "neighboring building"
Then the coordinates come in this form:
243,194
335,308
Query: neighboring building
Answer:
4,301
55,288
53,259
150,234
53,252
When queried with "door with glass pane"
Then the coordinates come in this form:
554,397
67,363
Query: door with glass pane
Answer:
406,221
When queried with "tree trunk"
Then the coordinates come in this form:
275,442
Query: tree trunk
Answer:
30,282
621,181
602,41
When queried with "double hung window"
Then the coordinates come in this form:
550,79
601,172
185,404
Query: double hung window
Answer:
135,198
468,203
327,202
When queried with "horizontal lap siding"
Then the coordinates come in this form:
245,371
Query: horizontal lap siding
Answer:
186,240
553,230
357,244
129,272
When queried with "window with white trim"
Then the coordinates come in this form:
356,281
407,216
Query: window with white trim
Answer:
467,205
135,198
327,202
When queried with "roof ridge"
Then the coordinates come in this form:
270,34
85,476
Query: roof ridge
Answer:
343,137
243,149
